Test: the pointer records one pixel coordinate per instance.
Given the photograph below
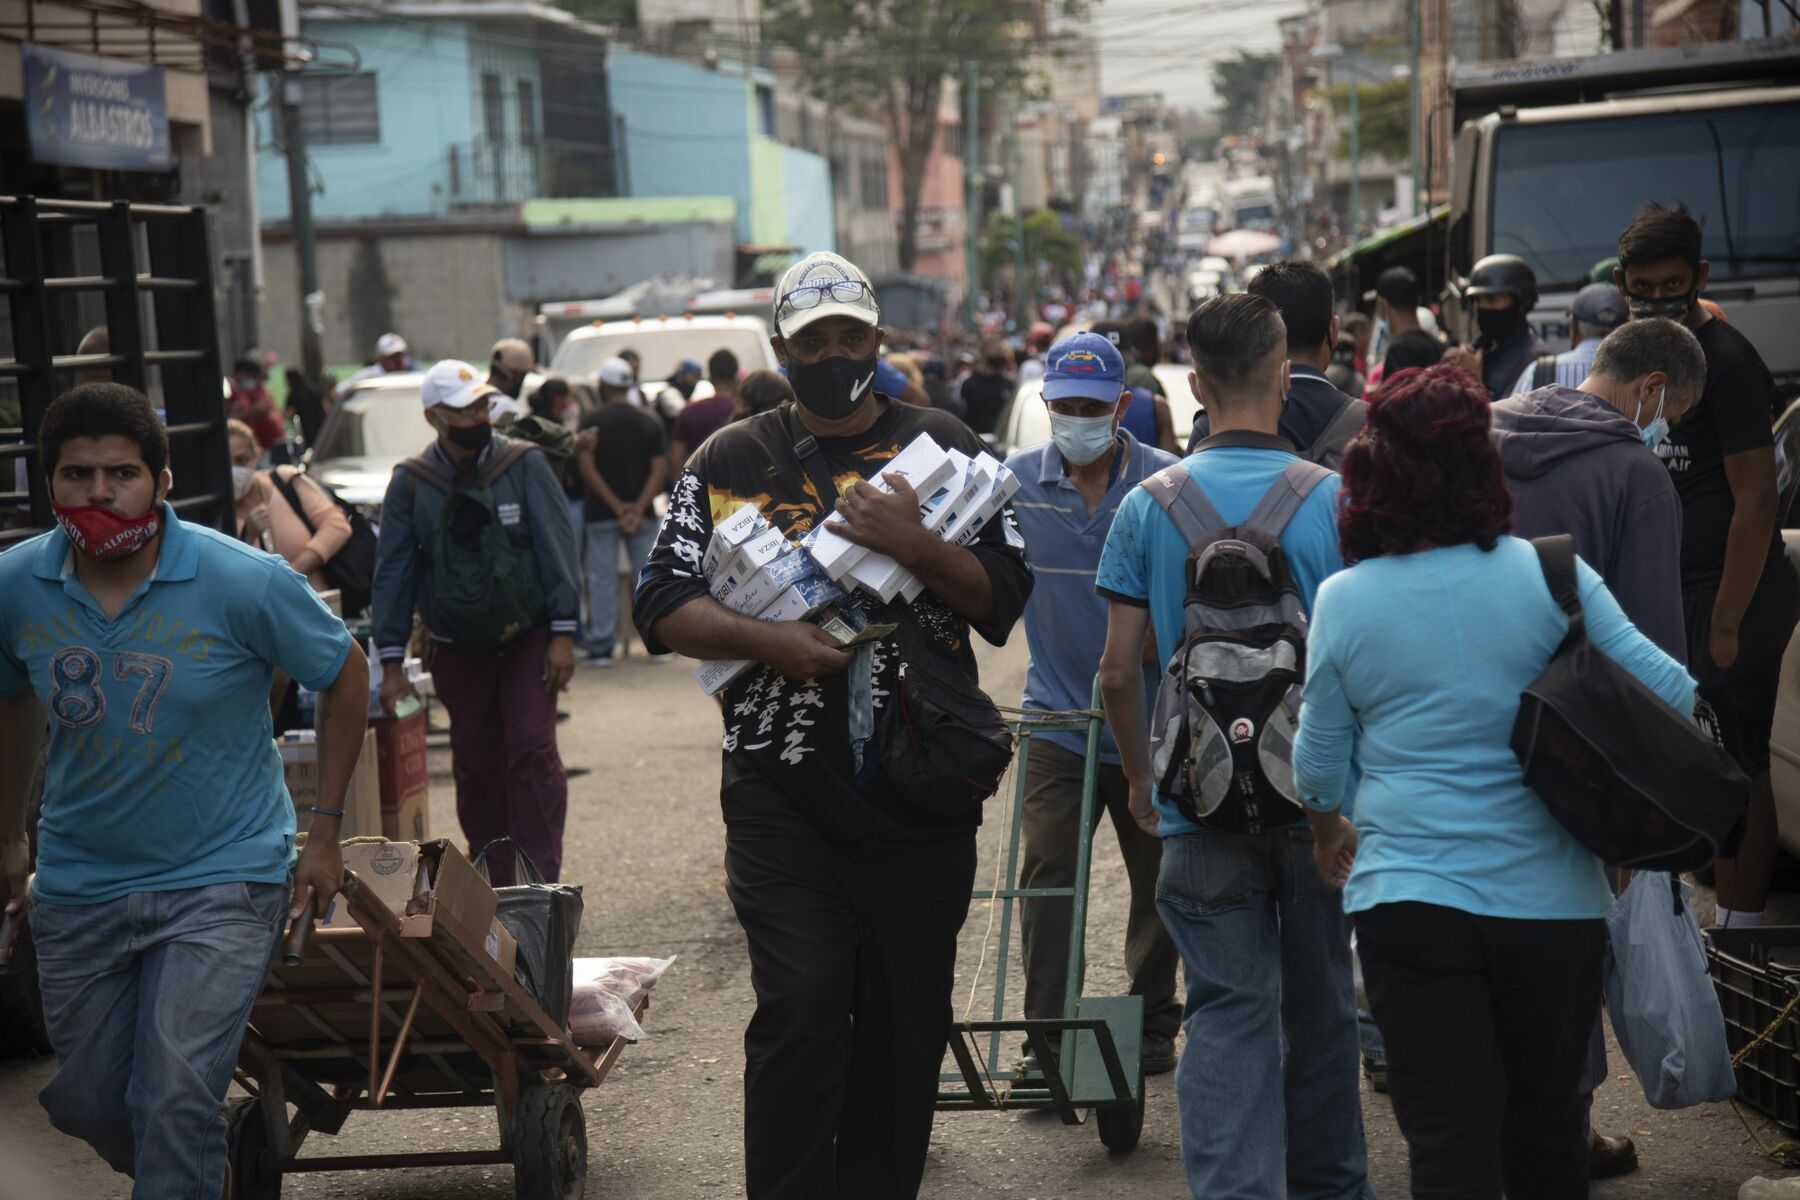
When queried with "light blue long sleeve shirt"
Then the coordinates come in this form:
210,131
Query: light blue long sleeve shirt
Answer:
1417,661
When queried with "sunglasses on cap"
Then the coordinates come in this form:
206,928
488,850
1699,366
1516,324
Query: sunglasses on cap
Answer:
845,291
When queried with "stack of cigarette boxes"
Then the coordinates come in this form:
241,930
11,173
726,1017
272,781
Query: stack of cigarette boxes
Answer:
957,496
753,569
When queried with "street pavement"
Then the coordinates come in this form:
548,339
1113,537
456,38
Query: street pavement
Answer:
645,842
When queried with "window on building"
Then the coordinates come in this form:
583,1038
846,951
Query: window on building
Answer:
952,140
765,110
493,108
873,182
341,110
527,112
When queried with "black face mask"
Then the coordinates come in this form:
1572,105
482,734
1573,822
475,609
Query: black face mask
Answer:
832,388
1675,308
469,437
686,387
1500,325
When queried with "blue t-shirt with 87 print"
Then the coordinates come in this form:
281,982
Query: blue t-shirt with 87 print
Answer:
1145,560
163,771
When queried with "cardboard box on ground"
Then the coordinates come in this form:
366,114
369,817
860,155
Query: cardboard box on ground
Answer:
362,799
405,785
752,569
432,888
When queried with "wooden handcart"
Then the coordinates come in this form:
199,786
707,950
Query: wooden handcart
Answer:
386,1016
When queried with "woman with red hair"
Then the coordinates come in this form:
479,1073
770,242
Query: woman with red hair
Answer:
1479,920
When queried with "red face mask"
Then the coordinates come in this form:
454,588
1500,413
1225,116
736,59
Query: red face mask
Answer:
102,534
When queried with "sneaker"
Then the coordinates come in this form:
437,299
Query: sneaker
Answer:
599,660
661,657
1158,1054
1377,1075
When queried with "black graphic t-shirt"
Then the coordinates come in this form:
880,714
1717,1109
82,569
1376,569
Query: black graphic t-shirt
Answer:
1732,417
795,736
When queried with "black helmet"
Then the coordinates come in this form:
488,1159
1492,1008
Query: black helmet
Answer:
1504,274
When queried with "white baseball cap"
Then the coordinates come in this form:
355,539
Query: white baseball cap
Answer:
389,343
616,372
823,285
454,384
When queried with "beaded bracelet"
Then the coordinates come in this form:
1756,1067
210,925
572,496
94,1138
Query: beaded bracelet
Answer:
325,812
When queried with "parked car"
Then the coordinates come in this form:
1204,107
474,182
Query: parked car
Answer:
661,342
371,428
1027,422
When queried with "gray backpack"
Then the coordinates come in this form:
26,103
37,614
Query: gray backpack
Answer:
1222,731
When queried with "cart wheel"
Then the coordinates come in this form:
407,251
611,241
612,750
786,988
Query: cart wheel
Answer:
253,1175
549,1142
1122,1123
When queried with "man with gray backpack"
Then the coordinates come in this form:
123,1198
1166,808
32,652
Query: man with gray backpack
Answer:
475,532
1221,555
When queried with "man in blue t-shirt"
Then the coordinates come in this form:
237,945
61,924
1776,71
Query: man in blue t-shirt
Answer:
166,841
1069,489
1264,942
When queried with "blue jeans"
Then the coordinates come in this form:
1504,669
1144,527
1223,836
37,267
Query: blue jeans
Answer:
1268,1085
146,998
603,576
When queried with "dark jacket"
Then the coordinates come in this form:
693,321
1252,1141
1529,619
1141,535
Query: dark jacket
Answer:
1576,466
530,502
1311,403
1501,365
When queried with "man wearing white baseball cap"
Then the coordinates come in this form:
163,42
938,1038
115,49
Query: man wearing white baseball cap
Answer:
850,889
391,356
475,533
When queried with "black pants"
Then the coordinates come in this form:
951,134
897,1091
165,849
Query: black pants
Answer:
1487,1023
852,955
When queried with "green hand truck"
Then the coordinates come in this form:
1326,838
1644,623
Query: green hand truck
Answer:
1100,1066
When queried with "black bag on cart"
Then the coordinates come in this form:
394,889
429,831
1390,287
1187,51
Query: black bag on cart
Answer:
544,919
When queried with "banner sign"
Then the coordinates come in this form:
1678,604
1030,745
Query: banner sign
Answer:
84,111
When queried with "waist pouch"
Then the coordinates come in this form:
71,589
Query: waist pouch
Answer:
941,743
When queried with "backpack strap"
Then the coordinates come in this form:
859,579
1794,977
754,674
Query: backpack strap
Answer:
1543,371
812,462
285,485
1556,556
1187,506
420,467
507,451
1285,496
1345,423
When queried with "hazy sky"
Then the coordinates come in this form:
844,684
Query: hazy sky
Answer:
1169,46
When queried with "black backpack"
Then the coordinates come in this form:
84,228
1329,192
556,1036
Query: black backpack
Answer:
1222,731
1639,784
352,569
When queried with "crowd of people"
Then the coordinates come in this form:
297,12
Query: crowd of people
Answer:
1386,819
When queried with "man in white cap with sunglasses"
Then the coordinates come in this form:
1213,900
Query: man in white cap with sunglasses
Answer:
850,891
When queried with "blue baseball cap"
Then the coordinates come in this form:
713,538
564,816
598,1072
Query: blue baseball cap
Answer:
1086,366
689,365
889,379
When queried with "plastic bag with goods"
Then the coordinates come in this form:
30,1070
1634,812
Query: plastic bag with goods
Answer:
605,991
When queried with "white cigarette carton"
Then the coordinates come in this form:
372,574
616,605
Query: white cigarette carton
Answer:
747,560
1001,486
728,535
796,603
924,464
881,576
753,593
977,477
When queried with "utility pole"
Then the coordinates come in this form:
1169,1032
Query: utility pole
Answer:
293,130
971,98
1020,296
1416,130
1355,157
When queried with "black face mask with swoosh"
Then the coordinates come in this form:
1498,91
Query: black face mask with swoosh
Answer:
832,388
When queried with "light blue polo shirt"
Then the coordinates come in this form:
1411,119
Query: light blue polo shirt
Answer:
1145,560
163,771
1065,619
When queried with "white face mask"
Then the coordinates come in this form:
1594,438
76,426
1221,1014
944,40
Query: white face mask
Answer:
1082,439
242,480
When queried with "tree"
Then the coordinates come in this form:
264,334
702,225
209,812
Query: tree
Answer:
1383,117
1238,83
890,59
1047,245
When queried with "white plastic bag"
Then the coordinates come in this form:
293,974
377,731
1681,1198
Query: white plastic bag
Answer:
605,991
1664,1010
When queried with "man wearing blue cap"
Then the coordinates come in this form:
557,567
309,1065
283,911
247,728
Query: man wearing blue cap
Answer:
1599,308
1069,489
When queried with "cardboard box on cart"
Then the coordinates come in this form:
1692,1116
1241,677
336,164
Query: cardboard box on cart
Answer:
461,908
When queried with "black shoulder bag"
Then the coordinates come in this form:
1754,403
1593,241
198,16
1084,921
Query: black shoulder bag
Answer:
939,741
1636,782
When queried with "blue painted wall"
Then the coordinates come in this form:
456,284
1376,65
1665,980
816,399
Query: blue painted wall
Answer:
687,129
428,80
